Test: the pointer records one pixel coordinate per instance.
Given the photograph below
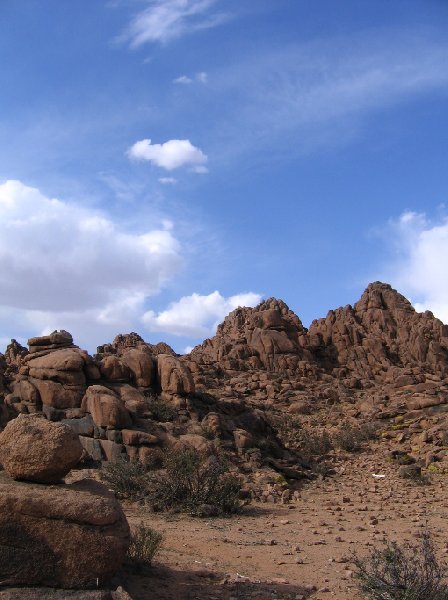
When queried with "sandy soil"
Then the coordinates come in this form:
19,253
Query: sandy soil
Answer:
295,551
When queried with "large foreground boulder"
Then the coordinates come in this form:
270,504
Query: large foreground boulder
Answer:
68,536
34,449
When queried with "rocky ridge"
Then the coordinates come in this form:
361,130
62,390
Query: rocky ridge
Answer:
378,360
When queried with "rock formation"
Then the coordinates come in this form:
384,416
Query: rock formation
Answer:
34,449
379,358
67,536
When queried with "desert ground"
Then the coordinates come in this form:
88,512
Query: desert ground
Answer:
292,551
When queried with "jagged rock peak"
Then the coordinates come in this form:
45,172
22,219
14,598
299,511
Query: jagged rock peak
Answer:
382,330
382,296
133,340
269,336
269,314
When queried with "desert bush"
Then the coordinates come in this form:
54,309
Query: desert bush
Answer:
192,481
127,479
313,443
308,441
414,474
402,573
351,438
286,427
161,411
145,544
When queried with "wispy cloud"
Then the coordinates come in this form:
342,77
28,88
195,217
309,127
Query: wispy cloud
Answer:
170,155
200,77
311,94
165,20
197,316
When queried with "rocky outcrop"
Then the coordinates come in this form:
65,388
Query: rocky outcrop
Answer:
377,358
174,376
52,376
382,331
34,449
269,337
68,536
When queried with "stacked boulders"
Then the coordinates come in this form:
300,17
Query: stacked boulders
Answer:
60,536
52,377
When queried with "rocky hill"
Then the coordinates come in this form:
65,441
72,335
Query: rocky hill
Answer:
378,360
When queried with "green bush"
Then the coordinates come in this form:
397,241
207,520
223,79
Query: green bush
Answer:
402,573
195,483
145,544
127,479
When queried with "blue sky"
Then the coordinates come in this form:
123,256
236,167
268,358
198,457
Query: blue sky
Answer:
164,161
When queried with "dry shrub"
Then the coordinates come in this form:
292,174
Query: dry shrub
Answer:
127,479
402,572
145,544
351,438
195,483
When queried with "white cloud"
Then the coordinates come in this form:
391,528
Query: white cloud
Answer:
183,79
64,265
197,316
170,155
167,180
421,271
200,77
165,20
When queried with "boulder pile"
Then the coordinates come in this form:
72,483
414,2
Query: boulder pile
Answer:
61,536
378,360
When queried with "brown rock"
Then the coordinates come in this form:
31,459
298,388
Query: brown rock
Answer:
35,449
140,362
174,376
114,369
106,408
69,536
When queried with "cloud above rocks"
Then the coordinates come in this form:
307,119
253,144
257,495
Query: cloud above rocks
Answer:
420,269
63,264
171,155
197,316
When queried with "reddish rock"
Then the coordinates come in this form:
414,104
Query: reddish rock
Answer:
106,408
34,449
114,369
69,536
140,362
174,376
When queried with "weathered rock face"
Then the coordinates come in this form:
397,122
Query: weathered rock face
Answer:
52,376
174,376
269,337
34,449
14,354
69,536
106,408
381,331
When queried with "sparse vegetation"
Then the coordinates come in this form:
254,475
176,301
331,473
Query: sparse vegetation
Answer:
351,438
145,544
402,572
127,479
195,483
414,473
161,411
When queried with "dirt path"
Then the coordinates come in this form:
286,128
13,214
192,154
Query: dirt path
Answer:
295,551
